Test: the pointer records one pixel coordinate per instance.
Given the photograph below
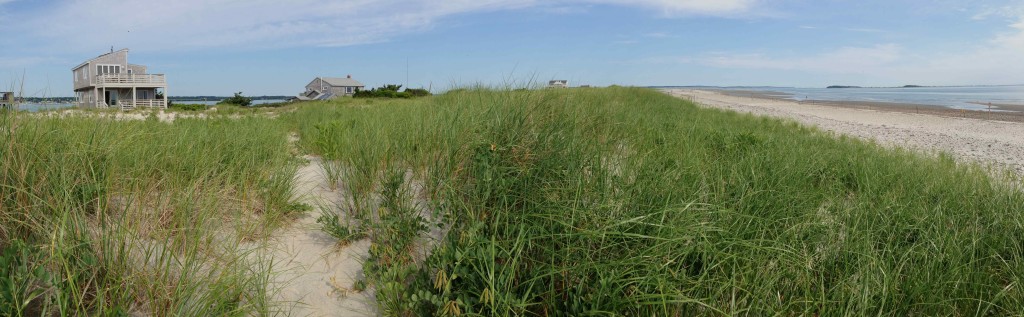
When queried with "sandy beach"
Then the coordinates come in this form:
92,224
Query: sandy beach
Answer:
996,140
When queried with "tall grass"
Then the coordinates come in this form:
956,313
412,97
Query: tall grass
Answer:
105,217
626,201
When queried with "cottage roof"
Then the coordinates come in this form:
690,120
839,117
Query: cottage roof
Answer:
342,82
94,58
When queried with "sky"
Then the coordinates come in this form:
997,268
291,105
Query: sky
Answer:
276,47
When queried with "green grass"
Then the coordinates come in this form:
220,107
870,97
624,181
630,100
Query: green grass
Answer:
626,201
104,217
614,201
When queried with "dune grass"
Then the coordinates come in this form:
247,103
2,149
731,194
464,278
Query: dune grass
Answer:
615,201
105,217
626,201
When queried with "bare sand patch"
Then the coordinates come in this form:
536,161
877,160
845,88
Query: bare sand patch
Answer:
313,275
986,141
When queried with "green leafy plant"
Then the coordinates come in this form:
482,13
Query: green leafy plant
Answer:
23,281
330,223
237,100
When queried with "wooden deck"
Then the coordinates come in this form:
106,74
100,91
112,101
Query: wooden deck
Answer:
131,80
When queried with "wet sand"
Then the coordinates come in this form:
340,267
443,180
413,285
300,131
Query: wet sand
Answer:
986,137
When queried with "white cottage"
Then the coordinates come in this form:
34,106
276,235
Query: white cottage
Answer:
110,81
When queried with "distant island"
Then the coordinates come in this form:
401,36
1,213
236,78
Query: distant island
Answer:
840,86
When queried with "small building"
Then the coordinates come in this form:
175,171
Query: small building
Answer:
110,81
6,100
558,83
326,88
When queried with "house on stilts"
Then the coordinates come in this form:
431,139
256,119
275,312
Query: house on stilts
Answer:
110,81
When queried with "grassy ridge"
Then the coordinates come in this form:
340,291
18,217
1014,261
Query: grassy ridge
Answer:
628,201
103,217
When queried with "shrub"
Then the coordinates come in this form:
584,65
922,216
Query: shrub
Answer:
391,91
417,92
187,107
238,100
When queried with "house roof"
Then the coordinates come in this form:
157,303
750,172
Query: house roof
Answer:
91,59
342,82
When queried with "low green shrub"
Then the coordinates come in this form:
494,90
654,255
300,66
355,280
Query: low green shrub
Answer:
187,107
330,223
391,91
237,100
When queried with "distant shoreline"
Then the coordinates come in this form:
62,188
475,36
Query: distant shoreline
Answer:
1002,112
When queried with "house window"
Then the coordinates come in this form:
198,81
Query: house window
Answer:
348,89
108,69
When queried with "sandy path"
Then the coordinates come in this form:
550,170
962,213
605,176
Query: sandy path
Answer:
986,141
313,275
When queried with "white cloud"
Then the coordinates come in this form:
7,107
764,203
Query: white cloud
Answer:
88,25
1000,60
244,24
684,7
863,30
997,60
658,35
843,60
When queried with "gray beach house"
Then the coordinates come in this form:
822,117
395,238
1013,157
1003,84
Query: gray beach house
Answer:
326,88
110,81
6,100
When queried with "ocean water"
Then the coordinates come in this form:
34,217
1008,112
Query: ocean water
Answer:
214,102
969,97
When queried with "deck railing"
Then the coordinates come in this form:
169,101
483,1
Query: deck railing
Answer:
142,103
130,79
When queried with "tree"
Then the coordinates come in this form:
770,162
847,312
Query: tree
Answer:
237,100
391,91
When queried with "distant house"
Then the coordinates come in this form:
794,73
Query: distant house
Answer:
558,83
325,88
110,81
6,100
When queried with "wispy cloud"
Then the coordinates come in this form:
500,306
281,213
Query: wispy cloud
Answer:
988,12
842,60
198,24
997,60
863,30
687,7
659,35
22,62
565,10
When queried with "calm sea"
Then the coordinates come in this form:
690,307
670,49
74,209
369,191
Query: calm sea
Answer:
953,97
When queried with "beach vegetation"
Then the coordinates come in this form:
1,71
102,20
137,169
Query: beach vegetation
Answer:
626,201
104,217
501,202
237,100
391,91
186,107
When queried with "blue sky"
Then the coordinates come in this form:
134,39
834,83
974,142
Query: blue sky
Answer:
275,47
